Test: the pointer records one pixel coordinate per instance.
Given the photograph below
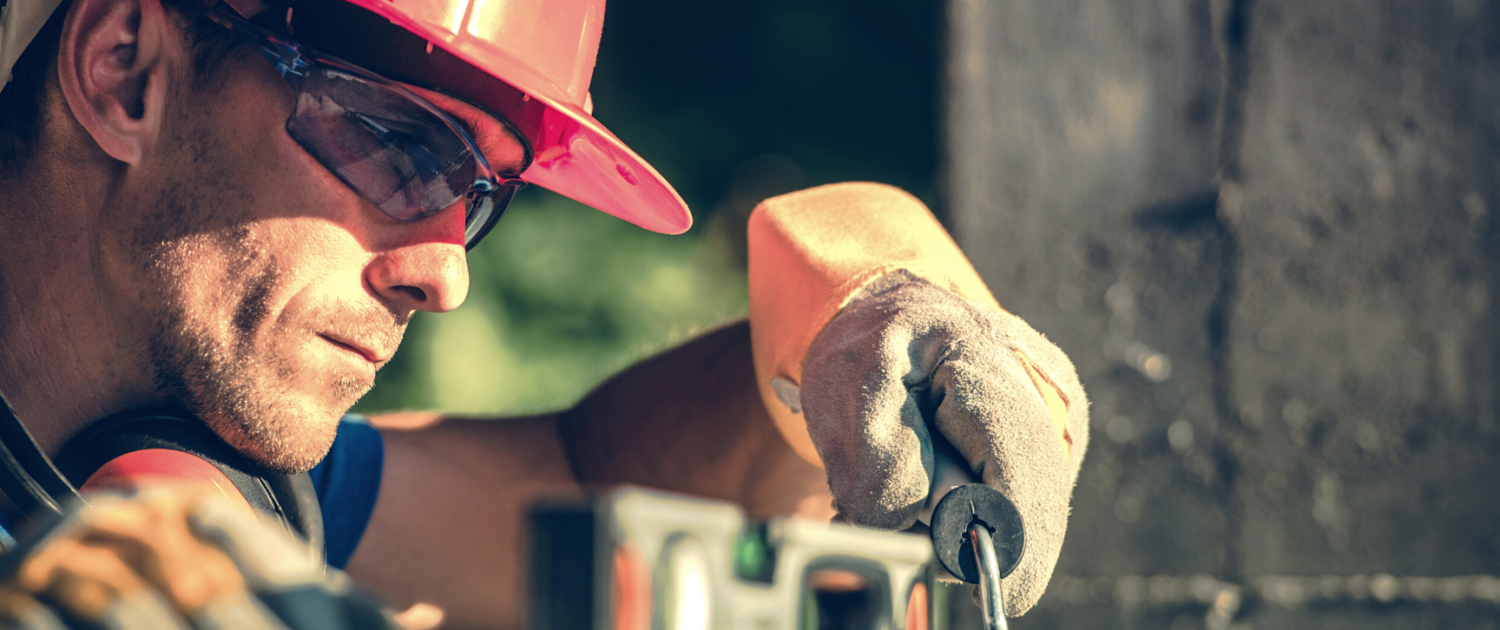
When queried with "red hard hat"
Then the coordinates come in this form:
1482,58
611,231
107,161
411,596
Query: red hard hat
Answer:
546,49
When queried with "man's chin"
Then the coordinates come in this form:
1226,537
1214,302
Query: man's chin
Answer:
284,441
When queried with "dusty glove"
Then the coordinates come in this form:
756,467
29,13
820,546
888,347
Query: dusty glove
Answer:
905,355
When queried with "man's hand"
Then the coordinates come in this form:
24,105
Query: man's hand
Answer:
165,560
907,356
127,562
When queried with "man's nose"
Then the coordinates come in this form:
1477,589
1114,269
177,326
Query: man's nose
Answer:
427,272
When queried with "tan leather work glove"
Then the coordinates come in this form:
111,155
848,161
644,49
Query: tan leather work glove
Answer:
865,314
906,355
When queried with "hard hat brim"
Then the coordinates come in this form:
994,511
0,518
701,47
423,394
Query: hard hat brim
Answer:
575,154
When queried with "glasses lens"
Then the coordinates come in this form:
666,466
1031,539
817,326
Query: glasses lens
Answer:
394,152
485,211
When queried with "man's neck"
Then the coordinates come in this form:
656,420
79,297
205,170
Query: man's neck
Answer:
60,351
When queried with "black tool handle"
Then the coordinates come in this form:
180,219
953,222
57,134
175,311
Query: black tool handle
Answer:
976,503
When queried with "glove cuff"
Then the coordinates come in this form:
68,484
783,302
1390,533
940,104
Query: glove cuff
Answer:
811,252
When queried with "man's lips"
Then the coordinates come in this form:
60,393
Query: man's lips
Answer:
373,356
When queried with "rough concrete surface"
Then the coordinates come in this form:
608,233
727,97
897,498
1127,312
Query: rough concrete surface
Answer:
1264,231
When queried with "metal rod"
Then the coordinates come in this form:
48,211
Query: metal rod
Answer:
990,595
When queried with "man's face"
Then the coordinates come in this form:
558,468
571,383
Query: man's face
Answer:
268,292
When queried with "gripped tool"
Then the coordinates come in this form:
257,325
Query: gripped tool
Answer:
977,533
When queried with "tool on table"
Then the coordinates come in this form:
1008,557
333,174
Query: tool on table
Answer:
977,533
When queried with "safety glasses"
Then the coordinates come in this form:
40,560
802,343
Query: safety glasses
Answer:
396,149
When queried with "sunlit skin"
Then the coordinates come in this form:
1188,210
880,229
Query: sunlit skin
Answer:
170,245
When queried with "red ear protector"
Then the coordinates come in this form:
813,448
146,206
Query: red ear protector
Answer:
139,446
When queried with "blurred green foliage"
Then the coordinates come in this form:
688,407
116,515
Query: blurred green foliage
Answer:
733,103
560,298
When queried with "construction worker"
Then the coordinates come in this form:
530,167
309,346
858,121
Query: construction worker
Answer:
227,212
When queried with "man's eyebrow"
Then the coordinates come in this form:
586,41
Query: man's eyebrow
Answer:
510,168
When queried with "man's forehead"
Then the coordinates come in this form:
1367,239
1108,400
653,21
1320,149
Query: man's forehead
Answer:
348,32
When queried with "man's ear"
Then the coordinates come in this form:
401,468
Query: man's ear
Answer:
112,72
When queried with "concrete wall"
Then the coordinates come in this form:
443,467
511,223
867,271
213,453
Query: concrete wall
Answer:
1264,231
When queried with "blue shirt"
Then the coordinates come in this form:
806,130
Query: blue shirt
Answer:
348,480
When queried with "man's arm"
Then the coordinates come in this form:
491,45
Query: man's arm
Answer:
448,526
692,420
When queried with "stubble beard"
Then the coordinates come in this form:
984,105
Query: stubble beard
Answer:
208,363
223,384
